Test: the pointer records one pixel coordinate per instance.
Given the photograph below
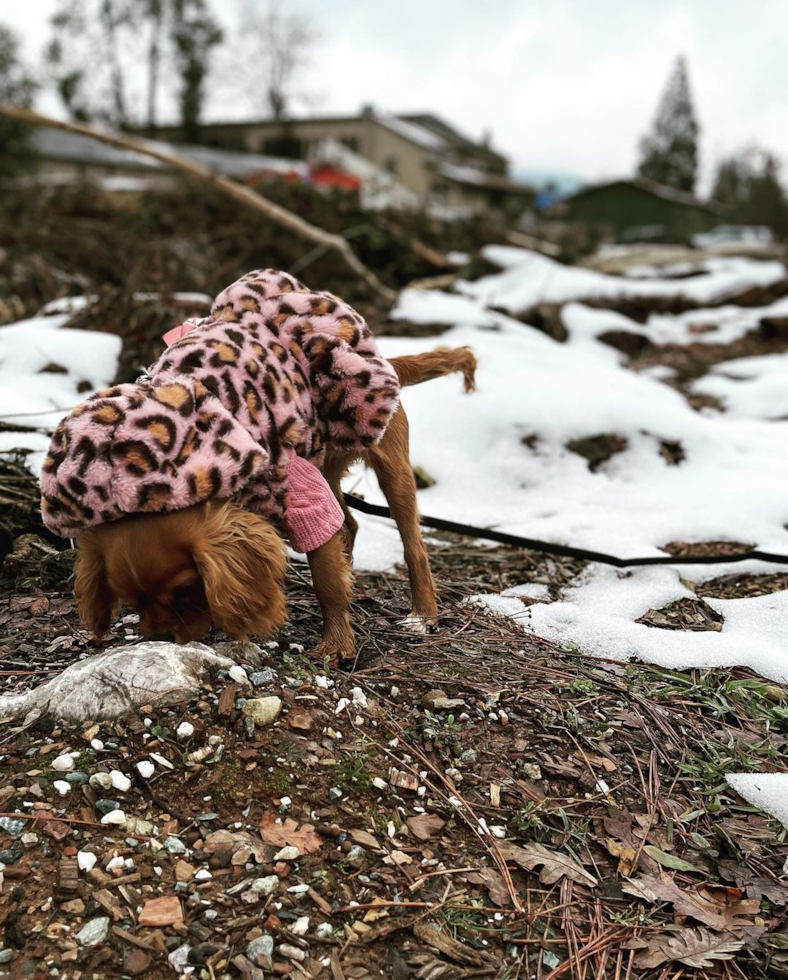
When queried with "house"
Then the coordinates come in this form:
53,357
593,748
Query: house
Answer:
425,155
641,210
69,158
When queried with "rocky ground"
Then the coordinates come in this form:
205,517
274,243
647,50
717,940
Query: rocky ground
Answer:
474,803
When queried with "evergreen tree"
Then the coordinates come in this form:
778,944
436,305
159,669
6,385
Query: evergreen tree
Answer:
749,186
17,86
194,34
669,154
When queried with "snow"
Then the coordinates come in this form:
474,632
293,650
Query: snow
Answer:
750,387
529,279
766,790
34,397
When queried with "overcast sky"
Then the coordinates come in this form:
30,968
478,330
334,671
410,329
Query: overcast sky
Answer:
563,85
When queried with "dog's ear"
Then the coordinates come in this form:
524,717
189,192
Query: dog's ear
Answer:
95,600
242,562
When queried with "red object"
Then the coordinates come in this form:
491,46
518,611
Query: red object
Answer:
328,176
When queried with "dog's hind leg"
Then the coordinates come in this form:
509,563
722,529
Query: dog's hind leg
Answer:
391,462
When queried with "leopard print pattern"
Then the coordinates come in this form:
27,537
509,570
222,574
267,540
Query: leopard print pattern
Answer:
276,370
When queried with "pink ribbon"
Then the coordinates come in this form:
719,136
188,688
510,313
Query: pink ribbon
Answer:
176,333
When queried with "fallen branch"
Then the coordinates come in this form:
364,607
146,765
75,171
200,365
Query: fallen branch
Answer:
245,195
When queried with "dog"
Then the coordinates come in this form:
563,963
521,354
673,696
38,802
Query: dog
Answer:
179,488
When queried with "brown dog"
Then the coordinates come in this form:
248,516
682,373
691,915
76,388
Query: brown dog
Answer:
215,563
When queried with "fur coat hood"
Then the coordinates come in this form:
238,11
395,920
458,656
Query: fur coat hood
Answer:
229,411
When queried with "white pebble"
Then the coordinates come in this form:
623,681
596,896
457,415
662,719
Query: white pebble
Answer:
86,860
359,697
97,744
299,889
62,787
116,817
288,853
146,769
101,780
341,705
300,926
238,674
63,763
115,864
203,875
185,729
285,801
120,781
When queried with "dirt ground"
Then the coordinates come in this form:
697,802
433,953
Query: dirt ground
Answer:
472,803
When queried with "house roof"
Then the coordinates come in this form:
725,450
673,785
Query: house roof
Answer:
473,177
440,126
650,187
53,144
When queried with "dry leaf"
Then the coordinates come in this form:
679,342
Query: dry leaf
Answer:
692,947
626,856
554,864
365,839
716,915
305,839
425,825
494,883
670,860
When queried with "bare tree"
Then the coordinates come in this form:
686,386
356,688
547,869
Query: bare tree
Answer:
276,42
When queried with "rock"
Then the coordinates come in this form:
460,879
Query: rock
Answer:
301,720
137,961
76,777
86,860
260,678
164,911
107,806
94,932
238,674
531,770
136,825
179,957
261,887
469,755
29,839
300,926
175,845
324,931
63,763
146,769
100,780
120,781
437,701
9,855
6,955
335,793
62,787
183,871
75,907
117,681
263,711
287,854
116,818
261,950
185,730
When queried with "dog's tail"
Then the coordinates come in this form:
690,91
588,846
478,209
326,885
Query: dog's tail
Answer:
414,368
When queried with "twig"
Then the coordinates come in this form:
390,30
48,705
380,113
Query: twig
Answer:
245,195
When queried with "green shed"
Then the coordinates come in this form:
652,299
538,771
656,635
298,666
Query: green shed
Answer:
640,209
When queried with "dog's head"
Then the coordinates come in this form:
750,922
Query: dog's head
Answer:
209,564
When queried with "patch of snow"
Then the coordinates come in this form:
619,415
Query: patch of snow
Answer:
766,790
750,387
42,369
529,278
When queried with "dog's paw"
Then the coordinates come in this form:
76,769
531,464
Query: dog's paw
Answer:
420,624
337,657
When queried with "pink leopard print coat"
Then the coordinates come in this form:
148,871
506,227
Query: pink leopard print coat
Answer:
274,373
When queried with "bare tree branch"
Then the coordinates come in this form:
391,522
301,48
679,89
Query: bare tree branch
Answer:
245,195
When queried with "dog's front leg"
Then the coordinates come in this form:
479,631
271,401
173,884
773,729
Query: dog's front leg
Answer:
333,582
